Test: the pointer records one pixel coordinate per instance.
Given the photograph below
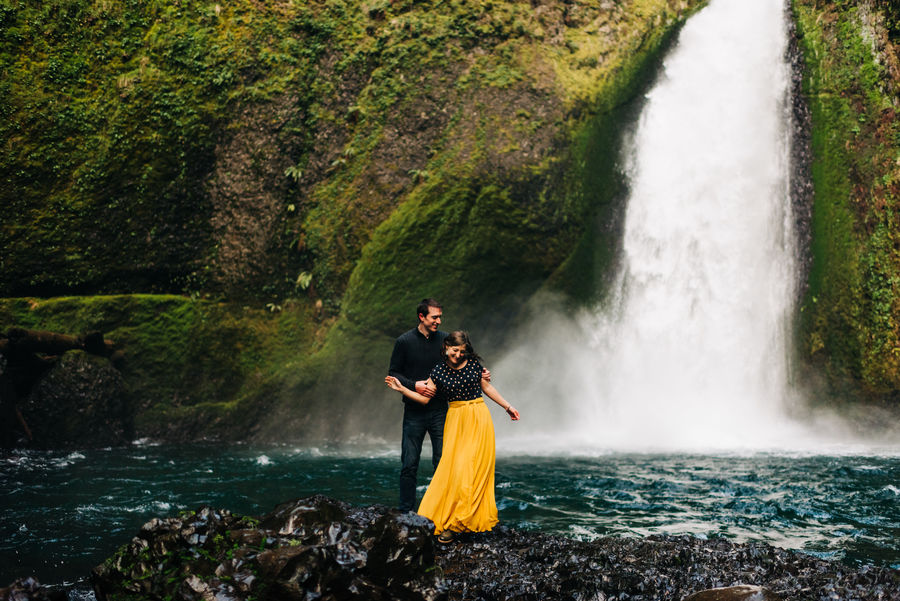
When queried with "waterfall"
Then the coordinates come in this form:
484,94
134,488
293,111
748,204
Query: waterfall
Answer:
691,348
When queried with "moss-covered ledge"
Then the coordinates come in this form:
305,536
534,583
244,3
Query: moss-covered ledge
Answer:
192,368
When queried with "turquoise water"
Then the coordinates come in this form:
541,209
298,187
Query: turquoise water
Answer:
61,513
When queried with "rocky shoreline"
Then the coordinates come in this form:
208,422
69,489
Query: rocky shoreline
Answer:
322,548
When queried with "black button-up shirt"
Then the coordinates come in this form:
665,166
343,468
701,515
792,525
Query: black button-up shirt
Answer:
413,358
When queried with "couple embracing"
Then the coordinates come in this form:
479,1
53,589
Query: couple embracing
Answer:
444,384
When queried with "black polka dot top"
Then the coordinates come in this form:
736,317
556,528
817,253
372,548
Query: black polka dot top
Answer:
458,384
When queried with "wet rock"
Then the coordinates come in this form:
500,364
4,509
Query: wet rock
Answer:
313,548
29,589
734,593
81,401
510,564
320,548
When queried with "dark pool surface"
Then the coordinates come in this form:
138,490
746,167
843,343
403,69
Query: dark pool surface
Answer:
64,512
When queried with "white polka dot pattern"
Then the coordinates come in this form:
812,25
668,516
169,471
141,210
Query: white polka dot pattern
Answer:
458,384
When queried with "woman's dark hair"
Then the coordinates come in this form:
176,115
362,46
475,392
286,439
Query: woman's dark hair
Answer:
422,309
460,338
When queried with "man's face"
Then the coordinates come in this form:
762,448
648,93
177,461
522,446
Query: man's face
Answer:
431,321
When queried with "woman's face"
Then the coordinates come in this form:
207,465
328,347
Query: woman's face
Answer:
455,354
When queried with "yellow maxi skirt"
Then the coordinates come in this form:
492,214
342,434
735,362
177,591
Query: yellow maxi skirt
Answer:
460,497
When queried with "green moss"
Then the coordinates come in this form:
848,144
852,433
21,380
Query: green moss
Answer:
112,113
398,150
850,325
116,116
191,366
470,238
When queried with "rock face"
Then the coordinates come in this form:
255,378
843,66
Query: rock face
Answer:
320,548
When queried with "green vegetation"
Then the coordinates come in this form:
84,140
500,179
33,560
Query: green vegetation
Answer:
290,178
243,149
258,193
851,316
193,368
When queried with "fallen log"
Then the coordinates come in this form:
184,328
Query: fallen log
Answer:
24,425
53,343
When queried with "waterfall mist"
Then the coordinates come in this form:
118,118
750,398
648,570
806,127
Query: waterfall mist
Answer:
691,348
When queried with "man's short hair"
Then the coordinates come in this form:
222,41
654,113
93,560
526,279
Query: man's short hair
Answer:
422,309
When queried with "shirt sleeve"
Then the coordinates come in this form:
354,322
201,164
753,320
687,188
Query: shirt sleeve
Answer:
437,376
398,362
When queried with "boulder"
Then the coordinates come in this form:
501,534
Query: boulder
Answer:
29,589
312,548
741,592
80,402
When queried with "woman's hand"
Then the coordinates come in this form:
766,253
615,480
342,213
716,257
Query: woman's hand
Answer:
393,383
513,413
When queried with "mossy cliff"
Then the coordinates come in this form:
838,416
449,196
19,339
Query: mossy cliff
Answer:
297,175
850,321
252,149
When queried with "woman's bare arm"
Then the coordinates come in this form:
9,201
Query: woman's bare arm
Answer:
395,384
495,396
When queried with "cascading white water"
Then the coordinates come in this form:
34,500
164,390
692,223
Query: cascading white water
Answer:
691,350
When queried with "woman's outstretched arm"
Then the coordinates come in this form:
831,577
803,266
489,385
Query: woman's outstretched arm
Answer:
395,384
495,396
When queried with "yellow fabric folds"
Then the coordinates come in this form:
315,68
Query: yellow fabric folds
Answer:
460,497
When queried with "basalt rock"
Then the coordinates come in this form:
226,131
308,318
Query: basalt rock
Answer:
510,564
734,593
81,401
29,589
314,548
320,548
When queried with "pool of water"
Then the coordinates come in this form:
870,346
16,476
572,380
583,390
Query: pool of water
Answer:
61,513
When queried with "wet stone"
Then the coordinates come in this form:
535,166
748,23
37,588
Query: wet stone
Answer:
314,548
734,593
510,564
321,548
82,401
29,589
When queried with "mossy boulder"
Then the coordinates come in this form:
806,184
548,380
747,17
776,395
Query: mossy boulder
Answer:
82,401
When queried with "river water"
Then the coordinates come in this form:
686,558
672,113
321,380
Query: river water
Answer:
65,512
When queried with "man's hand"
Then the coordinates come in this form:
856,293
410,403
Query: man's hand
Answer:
486,375
425,390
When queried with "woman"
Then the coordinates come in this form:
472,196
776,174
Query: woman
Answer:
460,497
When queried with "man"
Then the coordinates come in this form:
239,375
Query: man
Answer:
416,352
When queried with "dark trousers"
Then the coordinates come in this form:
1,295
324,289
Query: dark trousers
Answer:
415,425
